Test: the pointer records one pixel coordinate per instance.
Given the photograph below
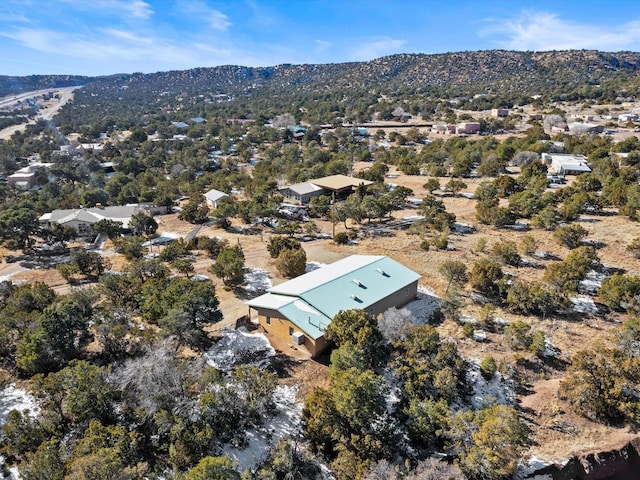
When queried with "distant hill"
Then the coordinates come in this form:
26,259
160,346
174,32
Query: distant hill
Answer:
494,70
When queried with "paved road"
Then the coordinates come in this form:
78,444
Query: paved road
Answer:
47,113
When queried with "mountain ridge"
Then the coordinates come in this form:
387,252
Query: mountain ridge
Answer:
493,69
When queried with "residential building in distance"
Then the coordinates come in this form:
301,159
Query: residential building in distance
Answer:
566,163
338,187
499,112
298,311
214,197
579,128
26,177
301,193
83,219
468,128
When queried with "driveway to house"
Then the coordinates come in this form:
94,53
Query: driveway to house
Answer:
10,270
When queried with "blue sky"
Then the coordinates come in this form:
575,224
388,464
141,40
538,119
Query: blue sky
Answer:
101,37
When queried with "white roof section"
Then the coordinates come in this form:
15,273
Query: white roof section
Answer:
303,188
271,301
214,195
315,278
121,214
568,162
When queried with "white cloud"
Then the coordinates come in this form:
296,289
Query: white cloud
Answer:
378,47
322,45
133,8
126,36
111,44
212,17
117,50
543,31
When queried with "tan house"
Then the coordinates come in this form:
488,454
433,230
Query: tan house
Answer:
299,310
25,178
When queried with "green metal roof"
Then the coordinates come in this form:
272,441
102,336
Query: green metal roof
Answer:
311,300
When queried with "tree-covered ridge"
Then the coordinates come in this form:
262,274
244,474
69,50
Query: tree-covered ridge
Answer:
498,71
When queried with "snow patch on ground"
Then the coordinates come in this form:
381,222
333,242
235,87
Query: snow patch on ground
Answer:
257,280
518,226
550,350
239,347
467,319
479,336
311,266
163,237
591,283
582,304
286,422
526,470
423,307
14,398
501,321
463,228
525,262
478,298
498,390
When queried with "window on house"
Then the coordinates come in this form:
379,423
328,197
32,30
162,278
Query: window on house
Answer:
290,330
268,320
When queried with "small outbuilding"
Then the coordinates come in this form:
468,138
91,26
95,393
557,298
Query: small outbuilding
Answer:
214,197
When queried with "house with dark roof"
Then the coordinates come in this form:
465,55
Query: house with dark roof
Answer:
298,311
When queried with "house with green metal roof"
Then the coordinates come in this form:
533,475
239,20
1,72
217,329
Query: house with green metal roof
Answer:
298,311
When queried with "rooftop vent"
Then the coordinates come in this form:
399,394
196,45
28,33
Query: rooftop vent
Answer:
356,298
357,282
382,272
